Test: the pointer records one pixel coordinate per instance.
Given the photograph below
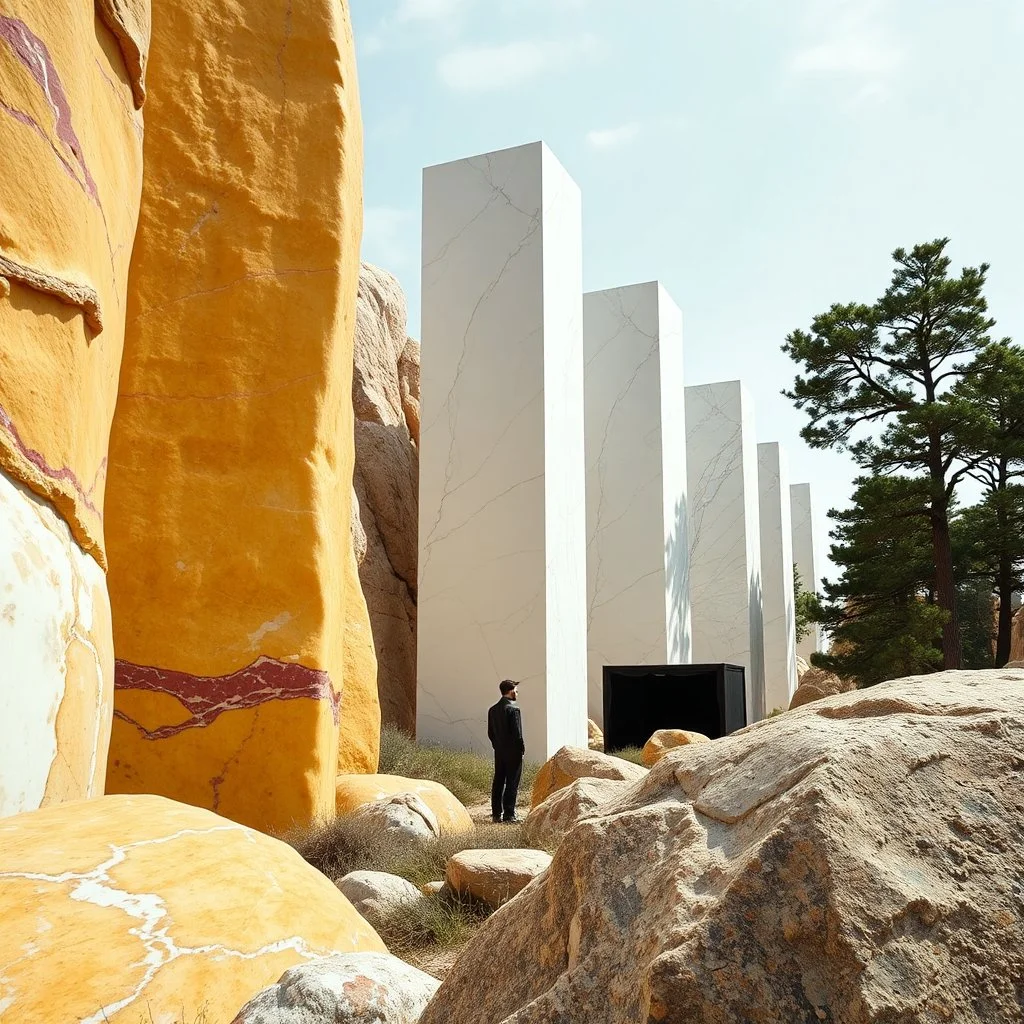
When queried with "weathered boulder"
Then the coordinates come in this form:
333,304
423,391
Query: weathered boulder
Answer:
595,737
71,145
376,894
403,816
354,791
856,860
802,668
129,908
385,396
664,740
571,763
494,876
550,820
234,588
351,988
816,683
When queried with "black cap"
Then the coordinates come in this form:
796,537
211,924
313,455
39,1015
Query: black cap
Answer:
507,686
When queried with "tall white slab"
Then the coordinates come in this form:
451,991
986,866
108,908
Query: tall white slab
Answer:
803,556
725,534
777,576
637,558
502,577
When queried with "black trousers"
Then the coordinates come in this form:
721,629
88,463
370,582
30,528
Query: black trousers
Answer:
508,770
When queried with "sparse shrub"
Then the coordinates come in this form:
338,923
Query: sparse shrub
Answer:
434,923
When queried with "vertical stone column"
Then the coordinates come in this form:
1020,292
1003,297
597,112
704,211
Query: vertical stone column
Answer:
638,610
777,576
242,638
803,556
71,89
502,576
725,539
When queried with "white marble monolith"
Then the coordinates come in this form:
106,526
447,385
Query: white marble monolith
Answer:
502,549
637,578
777,576
804,557
725,534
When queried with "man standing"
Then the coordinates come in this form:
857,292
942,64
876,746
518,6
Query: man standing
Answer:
505,731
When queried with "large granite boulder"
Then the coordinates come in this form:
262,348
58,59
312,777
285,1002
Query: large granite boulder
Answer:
356,791
351,988
130,908
570,763
816,683
664,740
385,396
376,894
494,876
551,819
858,860
403,816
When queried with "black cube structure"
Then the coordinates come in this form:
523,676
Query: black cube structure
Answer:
640,699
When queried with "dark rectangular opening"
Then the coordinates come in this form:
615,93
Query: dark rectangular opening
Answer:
640,699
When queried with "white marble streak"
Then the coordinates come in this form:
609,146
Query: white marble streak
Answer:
777,576
637,556
724,536
502,557
804,556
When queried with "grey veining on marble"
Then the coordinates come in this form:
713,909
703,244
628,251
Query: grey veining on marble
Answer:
637,555
804,556
724,538
502,587
777,576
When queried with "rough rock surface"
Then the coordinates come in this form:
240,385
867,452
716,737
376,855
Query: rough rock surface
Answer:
130,908
857,860
351,988
664,740
571,763
816,683
595,737
354,791
403,815
550,820
376,893
385,396
232,582
129,20
494,876
71,145
802,668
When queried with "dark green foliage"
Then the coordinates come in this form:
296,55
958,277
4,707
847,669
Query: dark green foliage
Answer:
879,381
806,606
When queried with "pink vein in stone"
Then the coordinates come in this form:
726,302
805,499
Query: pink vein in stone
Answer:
207,697
63,473
33,53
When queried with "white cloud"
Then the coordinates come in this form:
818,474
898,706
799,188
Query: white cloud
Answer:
390,236
851,39
610,138
480,68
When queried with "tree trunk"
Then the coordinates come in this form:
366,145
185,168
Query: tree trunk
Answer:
945,589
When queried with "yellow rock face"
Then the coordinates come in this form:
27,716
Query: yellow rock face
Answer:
664,740
355,791
124,907
71,141
71,159
231,453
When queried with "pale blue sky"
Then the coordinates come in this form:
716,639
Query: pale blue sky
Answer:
761,158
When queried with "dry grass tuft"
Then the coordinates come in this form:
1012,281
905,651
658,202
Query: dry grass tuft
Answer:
467,775
634,754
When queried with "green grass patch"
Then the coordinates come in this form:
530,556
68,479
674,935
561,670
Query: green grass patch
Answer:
634,754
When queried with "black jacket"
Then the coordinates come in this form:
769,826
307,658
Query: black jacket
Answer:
505,728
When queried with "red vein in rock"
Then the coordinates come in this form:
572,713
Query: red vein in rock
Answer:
39,461
34,55
207,697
